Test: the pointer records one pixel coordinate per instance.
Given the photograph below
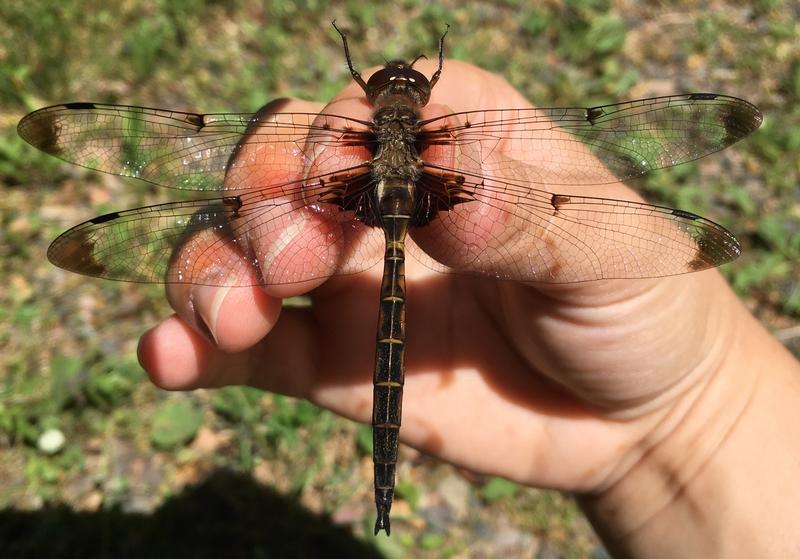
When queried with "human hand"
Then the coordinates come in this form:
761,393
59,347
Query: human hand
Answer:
550,385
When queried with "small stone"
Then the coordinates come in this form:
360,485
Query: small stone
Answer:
91,502
548,551
207,441
348,514
600,553
51,441
437,517
456,493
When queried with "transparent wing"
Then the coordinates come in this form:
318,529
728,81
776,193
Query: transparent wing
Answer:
625,140
279,235
189,150
502,192
508,230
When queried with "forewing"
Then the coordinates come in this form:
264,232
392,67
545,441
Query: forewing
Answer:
625,140
189,151
499,225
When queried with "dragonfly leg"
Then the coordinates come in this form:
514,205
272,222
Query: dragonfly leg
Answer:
438,72
356,76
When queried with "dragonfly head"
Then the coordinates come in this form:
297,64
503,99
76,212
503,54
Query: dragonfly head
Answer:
398,78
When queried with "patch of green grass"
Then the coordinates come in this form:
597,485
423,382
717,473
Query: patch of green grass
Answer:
175,423
498,488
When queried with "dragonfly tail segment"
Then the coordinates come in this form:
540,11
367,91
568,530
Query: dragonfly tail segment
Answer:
395,205
382,522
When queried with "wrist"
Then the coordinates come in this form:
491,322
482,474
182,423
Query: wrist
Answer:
720,461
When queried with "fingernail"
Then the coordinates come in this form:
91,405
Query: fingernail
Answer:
207,301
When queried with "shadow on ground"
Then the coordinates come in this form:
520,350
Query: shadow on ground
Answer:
228,515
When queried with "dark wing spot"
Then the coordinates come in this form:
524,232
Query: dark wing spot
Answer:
79,106
555,269
685,215
696,264
558,200
104,218
326,126
739,120
41,130
438,192
703,96
234,204
195,120
75,252
358,138
356,193
593,114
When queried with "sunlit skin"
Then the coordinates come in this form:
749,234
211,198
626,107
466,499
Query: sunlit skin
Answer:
624,391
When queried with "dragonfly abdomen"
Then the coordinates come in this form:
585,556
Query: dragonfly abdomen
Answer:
395,213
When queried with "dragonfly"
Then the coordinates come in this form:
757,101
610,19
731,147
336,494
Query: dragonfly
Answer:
297,198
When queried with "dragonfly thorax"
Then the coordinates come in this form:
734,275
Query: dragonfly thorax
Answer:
396,128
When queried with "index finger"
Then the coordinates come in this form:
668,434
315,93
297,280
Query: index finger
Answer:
270,245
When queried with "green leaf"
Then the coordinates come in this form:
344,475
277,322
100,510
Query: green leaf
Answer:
537,21
499,488
306,412
431,541
390,548
409,492
364,439
792,302
606,34
772,229
742,199
759,270
238,403
66,384
41,470
110,384
290,413
175,423
16,424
